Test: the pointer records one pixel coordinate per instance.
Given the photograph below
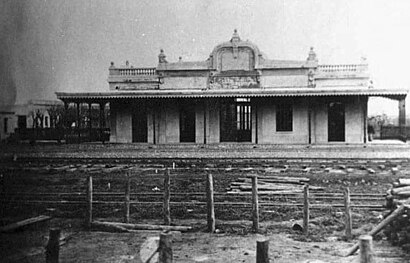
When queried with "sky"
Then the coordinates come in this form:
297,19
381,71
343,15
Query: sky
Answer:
59,45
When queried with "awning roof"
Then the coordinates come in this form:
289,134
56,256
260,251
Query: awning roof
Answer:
266,92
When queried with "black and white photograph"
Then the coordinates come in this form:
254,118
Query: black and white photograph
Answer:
145,131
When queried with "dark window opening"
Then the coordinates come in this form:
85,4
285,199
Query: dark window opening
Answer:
21,122
187,123
284,117
236,120
139,124
336,122
6,125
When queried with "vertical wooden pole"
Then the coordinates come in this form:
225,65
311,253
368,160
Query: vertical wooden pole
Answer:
255,206
366,249
167,197
348,215
210,203
53,246
127,199
89,218
165,248
306,209
262,251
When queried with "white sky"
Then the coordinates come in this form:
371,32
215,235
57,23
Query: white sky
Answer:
68,45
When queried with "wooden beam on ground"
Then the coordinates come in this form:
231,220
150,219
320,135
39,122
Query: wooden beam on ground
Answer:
17,225
141,226
399,210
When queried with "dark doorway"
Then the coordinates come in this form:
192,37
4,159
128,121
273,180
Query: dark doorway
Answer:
139,123
336,122
236,120
187,123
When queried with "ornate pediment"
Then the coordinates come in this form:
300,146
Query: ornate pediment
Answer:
235,55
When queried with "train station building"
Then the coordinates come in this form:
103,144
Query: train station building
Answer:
238,95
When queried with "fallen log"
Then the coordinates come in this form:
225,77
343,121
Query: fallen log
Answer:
399,210
404,182
126,226
398,190
17,225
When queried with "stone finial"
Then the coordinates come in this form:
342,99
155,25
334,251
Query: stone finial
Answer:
162,57
112,64
312,55
127,63
235,36
180,59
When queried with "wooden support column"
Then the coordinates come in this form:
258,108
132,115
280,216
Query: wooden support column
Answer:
365,131
310,122
102,121
402,119
205,110
66,124
78,123
90,118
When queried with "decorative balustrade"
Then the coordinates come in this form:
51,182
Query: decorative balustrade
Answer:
133,71
343,68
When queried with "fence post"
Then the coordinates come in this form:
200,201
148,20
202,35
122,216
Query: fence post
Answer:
89,201
210,203
262,251
167,197
348,215
165,248
366,249
255,206
306,209
53,246
127,198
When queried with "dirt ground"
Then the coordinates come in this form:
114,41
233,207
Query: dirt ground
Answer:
234,240
198,246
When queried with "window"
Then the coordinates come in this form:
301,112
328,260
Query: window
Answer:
22,122
284,117
45,122
6,123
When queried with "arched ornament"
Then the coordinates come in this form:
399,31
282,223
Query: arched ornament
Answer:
233,54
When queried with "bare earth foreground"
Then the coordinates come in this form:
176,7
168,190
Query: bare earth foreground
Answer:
234,241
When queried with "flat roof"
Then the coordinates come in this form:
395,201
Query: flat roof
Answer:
266,92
